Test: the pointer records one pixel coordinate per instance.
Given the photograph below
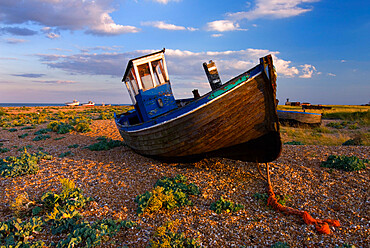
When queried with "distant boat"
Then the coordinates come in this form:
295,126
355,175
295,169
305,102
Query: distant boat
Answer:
74,103
235,120
90,103
295,118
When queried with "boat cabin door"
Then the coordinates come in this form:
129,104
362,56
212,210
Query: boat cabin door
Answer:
148,84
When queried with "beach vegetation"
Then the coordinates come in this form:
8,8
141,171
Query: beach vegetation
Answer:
168,236
22,136
65,154
12,130
41,137
74,146
281,199
58,213
223,205
168,193
105,144
357,141
60,127
43,131
280,245
345,163
293,143
25,164
4,150
28,127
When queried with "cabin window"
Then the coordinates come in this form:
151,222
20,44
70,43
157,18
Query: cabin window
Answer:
133,83
130,91
145,76
157,68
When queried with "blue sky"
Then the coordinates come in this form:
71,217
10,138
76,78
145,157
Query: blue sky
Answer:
54,51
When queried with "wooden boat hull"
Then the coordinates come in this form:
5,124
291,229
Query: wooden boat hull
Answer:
237,121
296,118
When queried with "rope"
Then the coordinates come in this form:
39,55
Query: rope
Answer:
322,226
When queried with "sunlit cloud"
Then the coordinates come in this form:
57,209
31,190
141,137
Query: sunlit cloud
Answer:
307,70
223,26
275,9
331,74
216,35
167,26
181,63
91,16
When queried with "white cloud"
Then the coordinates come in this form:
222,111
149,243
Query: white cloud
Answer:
167,26
106,26
217,35
183,66
331,74
223,26
92,16
163,25
307,70
275,9
343,61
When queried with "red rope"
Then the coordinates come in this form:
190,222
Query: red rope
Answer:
322,226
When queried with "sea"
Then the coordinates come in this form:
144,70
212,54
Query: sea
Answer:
46,104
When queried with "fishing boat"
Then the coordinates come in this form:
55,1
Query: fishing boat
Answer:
296,118
73,103
89,104
236,120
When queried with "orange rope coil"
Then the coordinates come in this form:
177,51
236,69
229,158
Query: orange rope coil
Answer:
322,226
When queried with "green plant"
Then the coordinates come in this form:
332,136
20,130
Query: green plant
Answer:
60,127
293,143
13,130
4,150
345,163
337,125
280,245
24,164
224,205
168,193
73,146
43,131
105,144
70,198
21,204
22,136
353,126
41,137
85,234
362,116
354,142
65,154
59,138
27,128
15,233
282,199
167,236
346,246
